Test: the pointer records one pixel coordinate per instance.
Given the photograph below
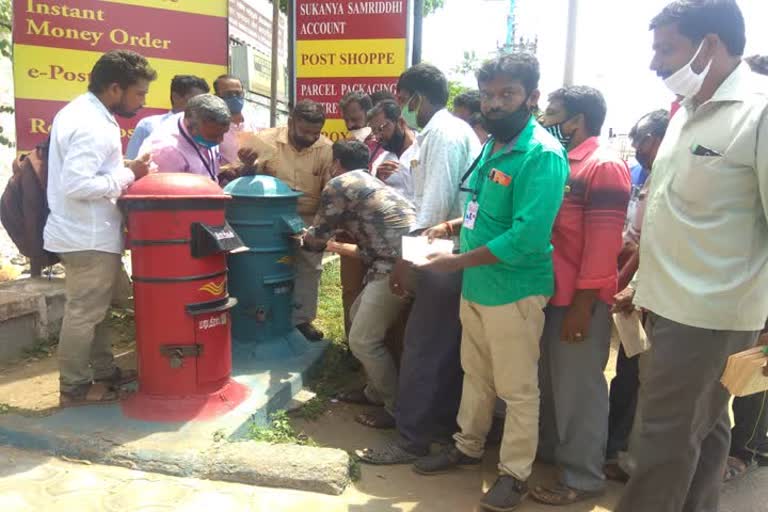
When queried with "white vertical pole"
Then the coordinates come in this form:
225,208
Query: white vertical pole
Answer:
570,42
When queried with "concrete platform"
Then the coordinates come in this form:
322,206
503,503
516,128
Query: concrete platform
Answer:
103,434
30,310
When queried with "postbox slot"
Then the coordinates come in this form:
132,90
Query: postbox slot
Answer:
208,240
181,350
211,307
292,224
277,279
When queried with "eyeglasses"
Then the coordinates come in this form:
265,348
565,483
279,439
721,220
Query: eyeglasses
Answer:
380,129
232,94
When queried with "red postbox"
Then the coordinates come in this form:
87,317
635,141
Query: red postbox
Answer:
178,239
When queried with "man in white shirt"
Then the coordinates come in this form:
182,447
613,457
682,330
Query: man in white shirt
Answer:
401,149
86,175
183,88
430,380
703,256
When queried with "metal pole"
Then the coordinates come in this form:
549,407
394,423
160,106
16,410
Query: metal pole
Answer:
418,18
291,53
570,42
275,62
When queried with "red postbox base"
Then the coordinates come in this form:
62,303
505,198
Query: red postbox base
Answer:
146,407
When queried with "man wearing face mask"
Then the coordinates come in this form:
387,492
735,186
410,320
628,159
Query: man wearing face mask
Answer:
183,87
301,156
401,149
646,137
430,371
354,108
576,341
189,142
515,190
230,89
86,174
704,255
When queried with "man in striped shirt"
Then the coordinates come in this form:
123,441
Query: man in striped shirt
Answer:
587,239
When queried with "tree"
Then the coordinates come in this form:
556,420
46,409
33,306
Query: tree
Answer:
469,65
454,89
5,53
430,6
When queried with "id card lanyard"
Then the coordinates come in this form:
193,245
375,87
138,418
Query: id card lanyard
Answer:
473,206
476,190
208,164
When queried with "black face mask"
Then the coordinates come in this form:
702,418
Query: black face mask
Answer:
125,114
510,125
396,142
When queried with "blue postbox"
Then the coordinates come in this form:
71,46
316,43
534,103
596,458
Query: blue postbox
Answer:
263,213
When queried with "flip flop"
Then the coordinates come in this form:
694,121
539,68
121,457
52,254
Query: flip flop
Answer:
380,419
356,396
736,468
97,393
614,472
387,455
120,377
561,495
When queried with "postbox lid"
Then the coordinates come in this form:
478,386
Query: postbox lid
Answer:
259,186
174,185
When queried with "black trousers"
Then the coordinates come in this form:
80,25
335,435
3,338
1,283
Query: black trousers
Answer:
429,386
749,435
623,402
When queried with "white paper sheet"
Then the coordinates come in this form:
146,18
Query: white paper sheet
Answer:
631,333
417,248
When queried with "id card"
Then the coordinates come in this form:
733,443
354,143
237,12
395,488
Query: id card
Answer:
471,215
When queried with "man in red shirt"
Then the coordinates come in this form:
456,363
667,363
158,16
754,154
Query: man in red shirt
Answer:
587,239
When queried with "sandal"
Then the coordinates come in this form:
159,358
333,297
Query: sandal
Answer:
356,396
387,455
560,495
614,472
97,393
736,468
376,419
119,378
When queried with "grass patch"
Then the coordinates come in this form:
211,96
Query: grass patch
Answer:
42,349
338,368
331,375
279,431
122,325
330,309
313,409
355,471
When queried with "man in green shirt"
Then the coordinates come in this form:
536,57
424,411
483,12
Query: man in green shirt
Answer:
515,190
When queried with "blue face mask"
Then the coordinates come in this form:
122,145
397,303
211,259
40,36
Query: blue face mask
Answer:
204,142
235,104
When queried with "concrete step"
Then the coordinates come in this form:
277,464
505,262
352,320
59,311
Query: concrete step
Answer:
30,311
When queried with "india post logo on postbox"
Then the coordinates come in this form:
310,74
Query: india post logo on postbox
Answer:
214,288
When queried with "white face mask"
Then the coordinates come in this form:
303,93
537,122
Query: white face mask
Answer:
361,134
685,82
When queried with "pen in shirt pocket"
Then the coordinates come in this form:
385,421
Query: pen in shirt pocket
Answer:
699,150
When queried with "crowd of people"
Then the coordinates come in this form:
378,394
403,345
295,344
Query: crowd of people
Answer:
554,233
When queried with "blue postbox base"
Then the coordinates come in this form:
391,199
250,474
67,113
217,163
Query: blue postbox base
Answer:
289,345
272,373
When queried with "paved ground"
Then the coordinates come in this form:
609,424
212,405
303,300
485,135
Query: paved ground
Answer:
30,482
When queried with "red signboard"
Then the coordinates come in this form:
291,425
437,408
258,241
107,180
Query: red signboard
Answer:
350,45
57,43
